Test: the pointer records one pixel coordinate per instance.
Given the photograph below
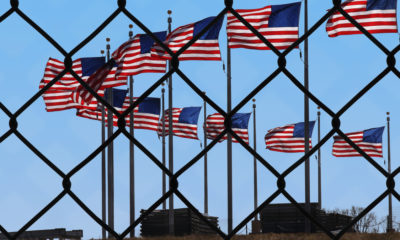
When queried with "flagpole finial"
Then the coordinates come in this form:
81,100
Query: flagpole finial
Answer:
254,102
108,43
169,17
130,31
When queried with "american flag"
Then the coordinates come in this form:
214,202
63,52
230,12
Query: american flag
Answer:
134,56
96,80
279,24
59,100
65,93
289,138
376,16
240,122
83,67
118,100
184,122
146,114
370,141
205,48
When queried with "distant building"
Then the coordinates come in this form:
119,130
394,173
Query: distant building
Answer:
286,218
186,222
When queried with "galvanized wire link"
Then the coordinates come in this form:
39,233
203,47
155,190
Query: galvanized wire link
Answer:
174,183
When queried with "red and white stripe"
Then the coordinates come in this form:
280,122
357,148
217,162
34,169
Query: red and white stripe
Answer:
200,50
215,126
68,82
374,21
132,62
184,130
58,100
342,149
239,36
141,120
281,139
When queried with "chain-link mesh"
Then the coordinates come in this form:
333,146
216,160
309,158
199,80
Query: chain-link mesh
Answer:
281,68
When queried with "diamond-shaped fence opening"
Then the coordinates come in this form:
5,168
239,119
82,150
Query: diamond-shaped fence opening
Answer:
278,70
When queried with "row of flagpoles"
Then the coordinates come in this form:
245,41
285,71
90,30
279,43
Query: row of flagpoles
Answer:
141,53
288,138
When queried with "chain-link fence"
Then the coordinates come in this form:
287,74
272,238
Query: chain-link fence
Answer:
281,68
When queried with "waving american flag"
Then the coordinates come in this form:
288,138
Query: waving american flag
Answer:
184,122
376,16
84,68
134,56
279,24
205,48
68,93
240,122
289,138
370,141
145,116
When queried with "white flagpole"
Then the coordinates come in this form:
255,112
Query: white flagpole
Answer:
229,142
103,170
254,158
170,141
255,226
110,153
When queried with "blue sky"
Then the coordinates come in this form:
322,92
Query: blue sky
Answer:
339,68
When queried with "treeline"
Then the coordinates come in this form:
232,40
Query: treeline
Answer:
369,223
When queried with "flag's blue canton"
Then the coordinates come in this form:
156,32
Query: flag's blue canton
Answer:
373,135
285,15
147,42
298,130
381,4
189,115
212,33
240,120
118,96
91,65
150,105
